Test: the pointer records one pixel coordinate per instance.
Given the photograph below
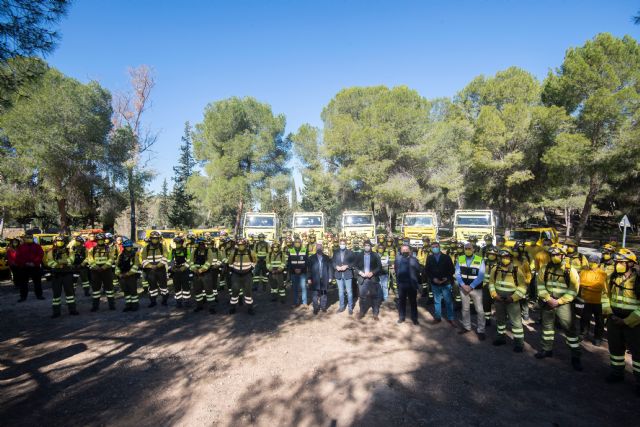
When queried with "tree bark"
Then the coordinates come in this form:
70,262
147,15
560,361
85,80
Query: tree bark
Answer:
62,211
236,229
132,205
567,220
594,186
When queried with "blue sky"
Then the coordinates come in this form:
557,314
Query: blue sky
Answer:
296,55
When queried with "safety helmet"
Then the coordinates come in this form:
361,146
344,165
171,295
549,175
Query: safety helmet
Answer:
491,250
625,254
261,236
473,238
557,249
60,238
191,237
154,235
519,244
460,245
506,252
488,237
275,245
570,242
178,240
127,243
108,236
100,236
425,238
199,241
608,247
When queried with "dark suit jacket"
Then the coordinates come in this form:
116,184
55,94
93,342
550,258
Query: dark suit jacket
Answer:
348,260
414,272
313,272
442,269
375,266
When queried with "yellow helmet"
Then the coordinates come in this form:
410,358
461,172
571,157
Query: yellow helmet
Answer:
506,252
570,242
625,254
608,247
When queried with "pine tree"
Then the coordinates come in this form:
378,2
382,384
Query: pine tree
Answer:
294,196
182,213
163,210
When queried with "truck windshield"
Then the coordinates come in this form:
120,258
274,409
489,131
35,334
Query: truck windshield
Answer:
45,240
358,220
167,234
417,221
473,221
524,235
308,221
259,221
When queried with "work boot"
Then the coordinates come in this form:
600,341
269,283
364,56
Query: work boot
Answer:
112,303
87,292
199,306
232,310
487,323
274,298
212,310
241,301
518,346
153,302
95,305
179,303
72,309
251,311
56,311
543,354
135,306
164,299
127,307
576,362
500,340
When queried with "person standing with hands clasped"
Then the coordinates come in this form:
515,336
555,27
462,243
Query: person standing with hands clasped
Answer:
407,270
439,270
470,277
320,273
368,267
343,274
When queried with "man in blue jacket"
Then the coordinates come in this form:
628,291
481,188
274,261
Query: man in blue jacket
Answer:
407,270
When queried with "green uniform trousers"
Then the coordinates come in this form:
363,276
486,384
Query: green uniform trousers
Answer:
620,339
512,309
241,282
563,316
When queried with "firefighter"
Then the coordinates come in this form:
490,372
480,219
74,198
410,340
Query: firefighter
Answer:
261,248
392,250
488,243
311,243
100,259
523,260
179,268
241,263
490,262
80,264
383,253
575,258
607,263
127,271
621,305
506,287
60,261
200,261
558,286
297,266
276,263
153,258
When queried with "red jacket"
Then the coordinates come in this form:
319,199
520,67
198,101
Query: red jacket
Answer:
12,256
31,252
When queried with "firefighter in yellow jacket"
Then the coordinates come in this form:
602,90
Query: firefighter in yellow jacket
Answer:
575,258
507,286
261,248
558,286
241,262
201,262
60,260
621,304
276,263
153,258
127,271
101,259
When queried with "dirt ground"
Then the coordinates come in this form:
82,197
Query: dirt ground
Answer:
284,366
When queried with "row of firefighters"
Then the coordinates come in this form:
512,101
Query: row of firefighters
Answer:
556,277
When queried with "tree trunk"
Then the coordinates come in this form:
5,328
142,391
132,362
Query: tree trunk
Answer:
567,221
594,186
2,221
62,210
236,229
132,205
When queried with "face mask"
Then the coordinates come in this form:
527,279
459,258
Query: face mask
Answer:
154,241
318,250
435,250
178,245
468,252
100,242
406,254
571,250
556,259
367,248
491,257
459,251
621,267
606,256
343,246
59,244
241,247
593,265
521,249
505,261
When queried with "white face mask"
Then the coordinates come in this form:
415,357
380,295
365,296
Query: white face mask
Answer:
343,246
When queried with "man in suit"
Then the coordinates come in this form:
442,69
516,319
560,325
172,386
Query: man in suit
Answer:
343,260
320,273
407,270
368,267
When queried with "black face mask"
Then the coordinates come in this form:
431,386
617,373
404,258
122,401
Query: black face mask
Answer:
406,254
